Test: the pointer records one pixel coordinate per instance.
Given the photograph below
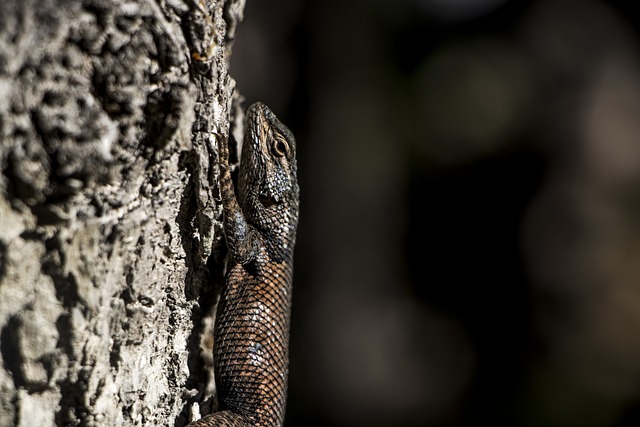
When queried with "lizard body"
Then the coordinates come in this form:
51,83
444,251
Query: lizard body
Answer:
251,347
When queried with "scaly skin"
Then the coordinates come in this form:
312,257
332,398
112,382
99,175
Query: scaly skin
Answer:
251,350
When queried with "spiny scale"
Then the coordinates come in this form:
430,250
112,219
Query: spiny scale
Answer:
251,350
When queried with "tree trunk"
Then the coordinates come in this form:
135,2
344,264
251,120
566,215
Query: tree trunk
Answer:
109,112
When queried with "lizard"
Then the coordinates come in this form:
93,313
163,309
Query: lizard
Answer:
251,332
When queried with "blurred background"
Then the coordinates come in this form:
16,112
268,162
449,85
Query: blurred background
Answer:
469,245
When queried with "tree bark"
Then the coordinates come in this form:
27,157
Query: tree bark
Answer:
109,111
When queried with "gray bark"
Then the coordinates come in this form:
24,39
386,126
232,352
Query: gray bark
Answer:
108,211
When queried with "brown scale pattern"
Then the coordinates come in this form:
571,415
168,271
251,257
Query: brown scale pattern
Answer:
251,350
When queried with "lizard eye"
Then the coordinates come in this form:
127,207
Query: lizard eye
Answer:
279,147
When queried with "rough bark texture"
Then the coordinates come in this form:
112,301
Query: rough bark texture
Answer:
108,216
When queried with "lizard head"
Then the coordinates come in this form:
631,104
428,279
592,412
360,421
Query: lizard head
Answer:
267,181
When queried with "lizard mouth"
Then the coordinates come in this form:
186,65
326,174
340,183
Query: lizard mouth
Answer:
266,201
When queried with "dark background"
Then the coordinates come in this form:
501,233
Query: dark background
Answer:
469,245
